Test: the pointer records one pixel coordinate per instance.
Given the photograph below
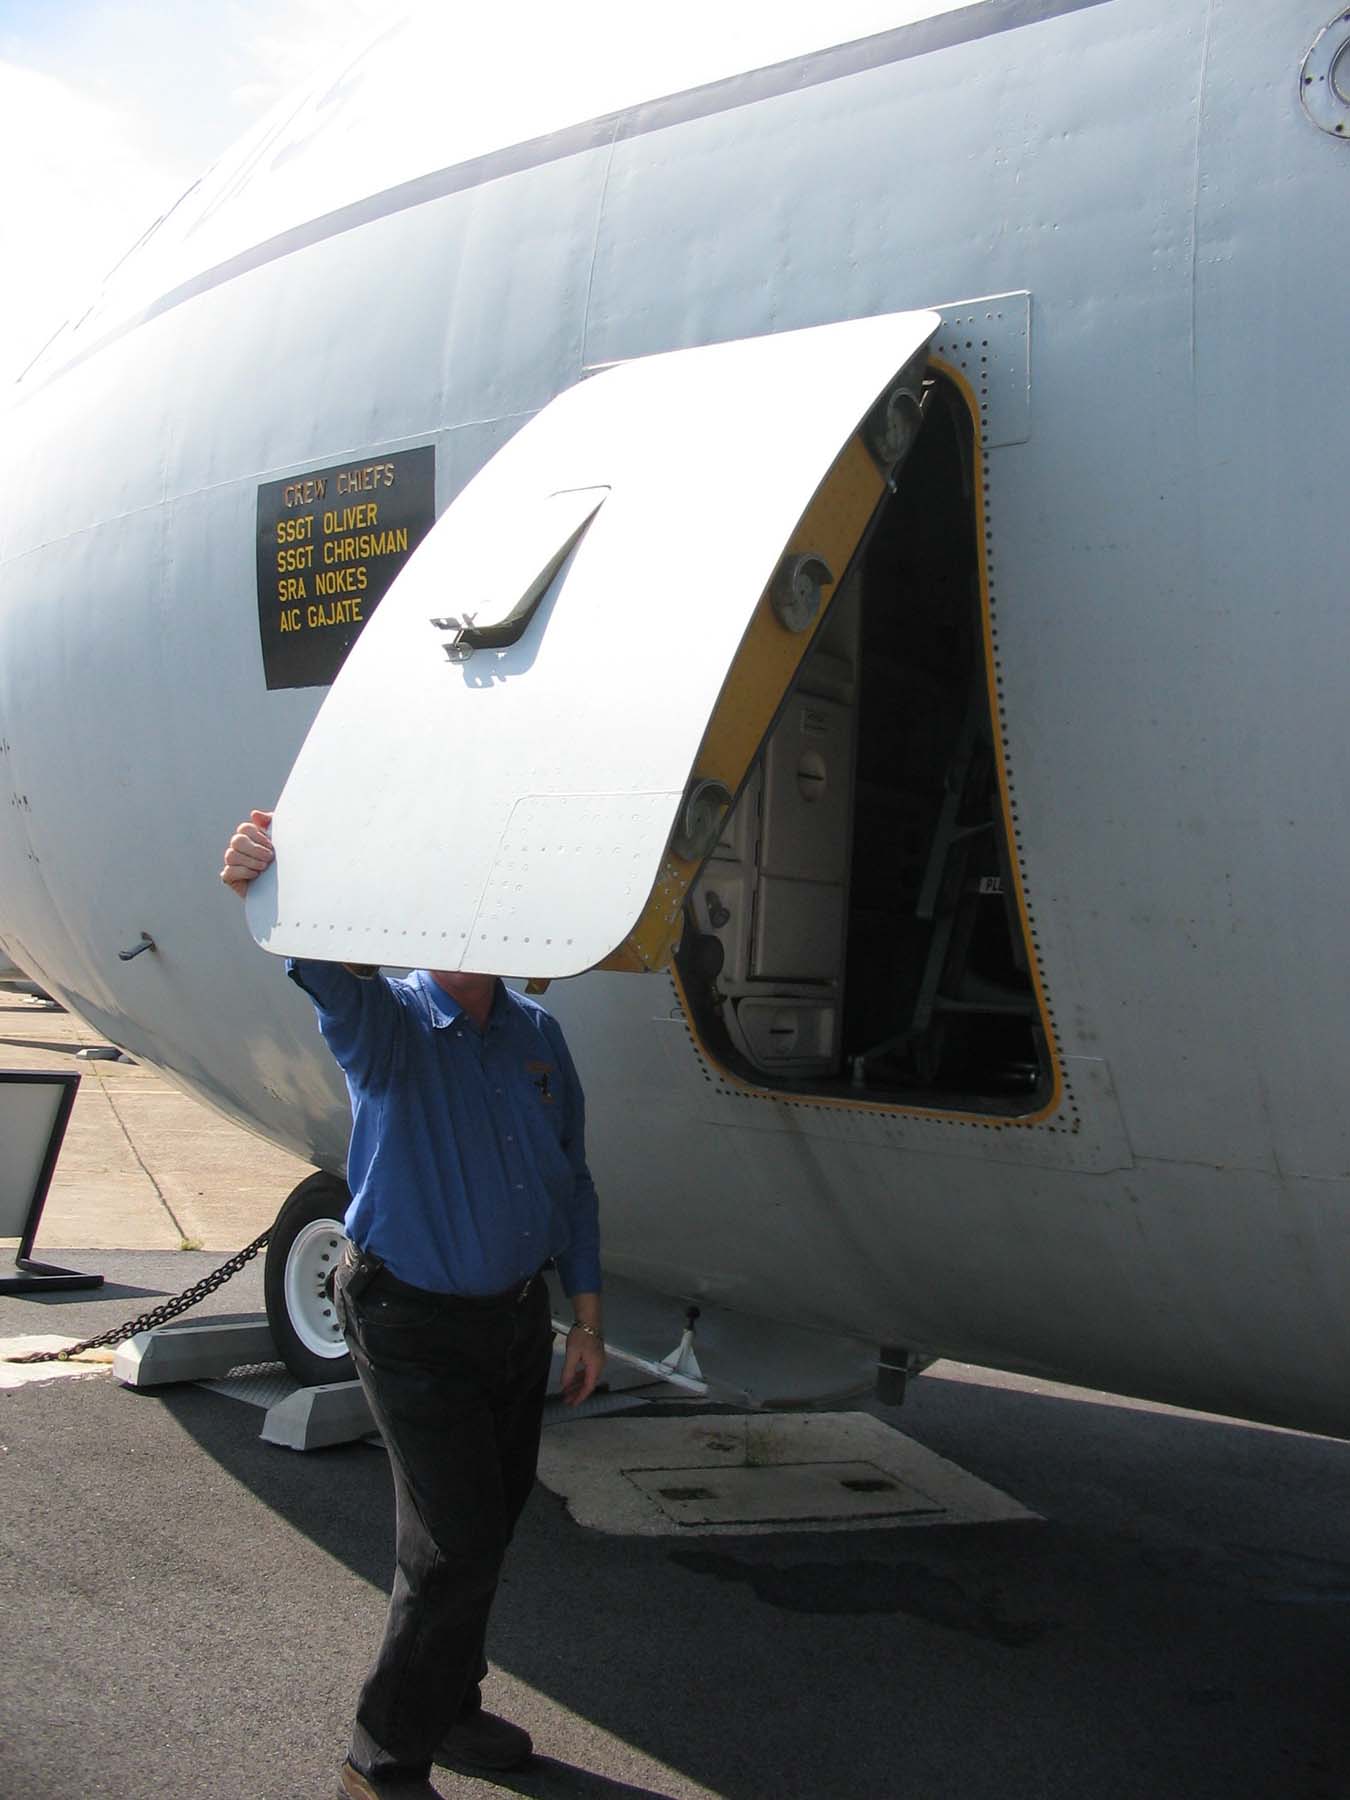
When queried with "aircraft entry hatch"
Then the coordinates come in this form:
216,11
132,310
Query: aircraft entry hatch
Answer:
539,734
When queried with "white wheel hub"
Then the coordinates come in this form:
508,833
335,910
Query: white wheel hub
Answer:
310,1263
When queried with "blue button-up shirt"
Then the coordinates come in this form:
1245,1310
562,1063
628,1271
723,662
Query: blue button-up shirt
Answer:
467,1164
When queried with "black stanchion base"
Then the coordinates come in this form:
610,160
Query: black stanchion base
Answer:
43,1278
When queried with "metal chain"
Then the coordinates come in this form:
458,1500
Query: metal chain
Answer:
158,1315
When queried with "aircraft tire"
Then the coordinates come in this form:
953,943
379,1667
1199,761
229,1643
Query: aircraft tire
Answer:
297,1282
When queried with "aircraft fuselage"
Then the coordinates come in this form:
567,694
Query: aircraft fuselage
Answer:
1140,189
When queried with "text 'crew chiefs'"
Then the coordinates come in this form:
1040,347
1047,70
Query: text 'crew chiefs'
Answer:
360,480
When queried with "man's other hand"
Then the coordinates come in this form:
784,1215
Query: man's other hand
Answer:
248,852
583,1365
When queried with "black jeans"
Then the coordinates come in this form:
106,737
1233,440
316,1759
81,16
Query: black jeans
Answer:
457,1389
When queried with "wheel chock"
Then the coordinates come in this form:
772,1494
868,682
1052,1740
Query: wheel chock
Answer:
202,1352
314,1417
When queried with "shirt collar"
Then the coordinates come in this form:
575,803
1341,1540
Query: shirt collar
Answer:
446,1010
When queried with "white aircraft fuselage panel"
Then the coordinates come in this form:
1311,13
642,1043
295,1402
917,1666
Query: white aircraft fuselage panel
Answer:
505,806
1119,516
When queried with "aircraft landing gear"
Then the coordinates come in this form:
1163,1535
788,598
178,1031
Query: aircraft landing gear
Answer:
302,1256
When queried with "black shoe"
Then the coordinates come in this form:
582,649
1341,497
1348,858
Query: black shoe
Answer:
480,1740
353,1785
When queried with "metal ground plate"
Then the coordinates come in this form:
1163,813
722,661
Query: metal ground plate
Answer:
759,1472
257,1384
783,1493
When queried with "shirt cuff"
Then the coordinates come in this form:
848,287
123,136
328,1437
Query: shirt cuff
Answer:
580,1274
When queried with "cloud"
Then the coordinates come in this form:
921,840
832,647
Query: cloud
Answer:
87,191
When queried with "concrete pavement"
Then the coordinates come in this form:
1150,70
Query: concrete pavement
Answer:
143,1167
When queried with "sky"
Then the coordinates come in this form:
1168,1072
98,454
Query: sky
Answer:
110,109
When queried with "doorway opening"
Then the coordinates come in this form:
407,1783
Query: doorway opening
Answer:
856,932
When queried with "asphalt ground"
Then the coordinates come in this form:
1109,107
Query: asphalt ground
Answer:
188,1612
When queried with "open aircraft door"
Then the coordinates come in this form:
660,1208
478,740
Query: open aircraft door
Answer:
533,745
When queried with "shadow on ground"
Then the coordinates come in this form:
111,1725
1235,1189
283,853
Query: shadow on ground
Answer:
1176,1628
110,1291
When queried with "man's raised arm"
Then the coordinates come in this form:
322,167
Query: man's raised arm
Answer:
356,1013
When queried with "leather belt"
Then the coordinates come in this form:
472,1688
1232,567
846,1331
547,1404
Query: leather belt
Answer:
515,1295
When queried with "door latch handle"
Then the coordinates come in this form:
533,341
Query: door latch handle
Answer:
470,636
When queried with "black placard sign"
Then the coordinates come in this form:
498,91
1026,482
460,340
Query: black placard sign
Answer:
330,543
